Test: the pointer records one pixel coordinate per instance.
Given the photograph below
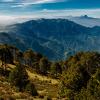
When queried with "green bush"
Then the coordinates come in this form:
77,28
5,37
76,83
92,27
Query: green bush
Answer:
81,73
30,88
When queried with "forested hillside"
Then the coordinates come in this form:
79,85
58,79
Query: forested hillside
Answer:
57,39
30,75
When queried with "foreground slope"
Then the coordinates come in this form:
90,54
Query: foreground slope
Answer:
30,75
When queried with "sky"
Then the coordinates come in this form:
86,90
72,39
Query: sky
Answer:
48,8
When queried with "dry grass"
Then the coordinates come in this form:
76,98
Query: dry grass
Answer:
45,86
42,78
8,92
8,66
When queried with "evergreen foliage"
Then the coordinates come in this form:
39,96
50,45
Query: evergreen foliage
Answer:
81,77
55,69
31,89
18,77
43,64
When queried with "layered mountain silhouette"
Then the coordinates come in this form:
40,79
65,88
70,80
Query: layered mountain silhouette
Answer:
55,38
85,20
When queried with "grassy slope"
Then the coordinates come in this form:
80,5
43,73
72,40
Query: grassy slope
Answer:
7,92
45,86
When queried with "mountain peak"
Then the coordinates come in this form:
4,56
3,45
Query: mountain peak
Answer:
85,16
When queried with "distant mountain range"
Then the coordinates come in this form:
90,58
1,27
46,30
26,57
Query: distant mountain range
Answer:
55,38
85,20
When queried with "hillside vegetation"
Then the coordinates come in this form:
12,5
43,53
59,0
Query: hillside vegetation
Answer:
30,75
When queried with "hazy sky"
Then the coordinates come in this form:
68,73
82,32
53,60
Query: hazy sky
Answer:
49,8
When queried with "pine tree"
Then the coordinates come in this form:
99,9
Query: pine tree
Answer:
56,69
19,77
43,64
30,88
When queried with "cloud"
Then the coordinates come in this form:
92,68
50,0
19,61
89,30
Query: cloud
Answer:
70,12
22,3
17,6
45,13
7,1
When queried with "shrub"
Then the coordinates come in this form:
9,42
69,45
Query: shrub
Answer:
30,88
81,73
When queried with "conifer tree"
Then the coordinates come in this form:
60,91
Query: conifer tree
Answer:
19,77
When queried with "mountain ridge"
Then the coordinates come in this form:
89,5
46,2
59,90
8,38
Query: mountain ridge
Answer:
85,20
55,38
